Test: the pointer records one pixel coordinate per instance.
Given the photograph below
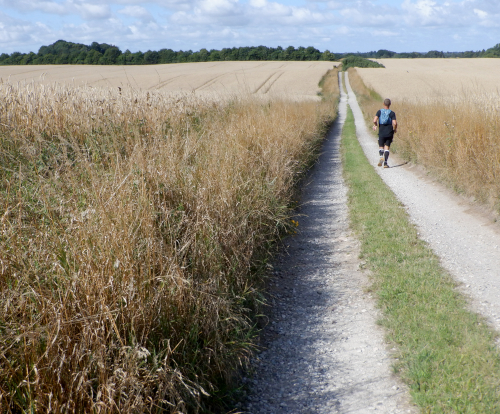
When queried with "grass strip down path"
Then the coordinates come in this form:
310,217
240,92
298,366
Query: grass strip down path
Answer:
445,352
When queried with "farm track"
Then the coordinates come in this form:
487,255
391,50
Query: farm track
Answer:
323,352
467,242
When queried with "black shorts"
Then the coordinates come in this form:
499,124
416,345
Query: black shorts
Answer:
384,142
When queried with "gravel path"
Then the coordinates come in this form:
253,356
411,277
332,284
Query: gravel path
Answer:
324,352
467,242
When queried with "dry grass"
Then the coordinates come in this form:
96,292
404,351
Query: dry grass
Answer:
454,136
133,228
215,80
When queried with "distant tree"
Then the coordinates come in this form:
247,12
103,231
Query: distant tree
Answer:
493,51
137,58
253,54
49,59
359,62
151,58
110,56
28,59
434,54
203,55
62,59
125,58
80,59
97,47
328,56
311,53
384,54
167,56
63,52
93,57
214,55
225,54
412,55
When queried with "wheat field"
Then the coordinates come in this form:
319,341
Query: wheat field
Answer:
424,79
295,80
134,232
448,117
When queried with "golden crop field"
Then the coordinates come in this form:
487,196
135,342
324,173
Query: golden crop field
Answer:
296,80
423,79
135,226
448,117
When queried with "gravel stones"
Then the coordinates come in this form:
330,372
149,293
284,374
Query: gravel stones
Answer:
322,350
467,242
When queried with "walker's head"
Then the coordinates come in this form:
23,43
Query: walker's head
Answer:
387,102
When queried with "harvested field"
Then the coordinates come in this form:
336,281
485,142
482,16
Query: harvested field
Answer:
296,80
423,79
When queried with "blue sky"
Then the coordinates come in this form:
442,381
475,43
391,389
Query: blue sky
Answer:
336,25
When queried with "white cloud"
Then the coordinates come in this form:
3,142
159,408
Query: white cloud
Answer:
17,32
423,12
266,12
86,9
347,25
385,33
137,12
92,11
482,14
219,7
343,30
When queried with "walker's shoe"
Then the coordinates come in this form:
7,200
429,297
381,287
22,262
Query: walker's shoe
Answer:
386,165
380,162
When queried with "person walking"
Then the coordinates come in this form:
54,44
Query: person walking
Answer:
385,119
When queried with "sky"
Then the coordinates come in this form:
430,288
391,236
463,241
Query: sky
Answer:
336,25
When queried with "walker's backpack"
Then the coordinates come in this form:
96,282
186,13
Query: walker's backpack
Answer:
385,119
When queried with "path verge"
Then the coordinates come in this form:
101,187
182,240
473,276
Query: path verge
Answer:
323,351
447,353
466,240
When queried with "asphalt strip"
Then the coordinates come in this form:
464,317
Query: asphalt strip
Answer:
322,349
467,243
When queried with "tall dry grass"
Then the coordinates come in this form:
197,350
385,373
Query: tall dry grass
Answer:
456,138
132,228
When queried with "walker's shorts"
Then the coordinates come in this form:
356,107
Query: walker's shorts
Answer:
384,141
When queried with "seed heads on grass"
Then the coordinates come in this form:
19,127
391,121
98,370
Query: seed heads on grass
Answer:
126,253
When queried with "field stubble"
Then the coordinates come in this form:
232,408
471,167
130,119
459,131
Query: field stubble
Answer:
455,134
133,227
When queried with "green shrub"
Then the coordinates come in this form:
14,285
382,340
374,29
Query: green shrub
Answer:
359,62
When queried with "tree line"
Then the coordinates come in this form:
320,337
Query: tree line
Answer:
63,53
493,52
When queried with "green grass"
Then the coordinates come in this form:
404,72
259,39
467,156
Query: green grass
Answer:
446,353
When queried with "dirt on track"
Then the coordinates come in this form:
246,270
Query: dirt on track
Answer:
293,80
